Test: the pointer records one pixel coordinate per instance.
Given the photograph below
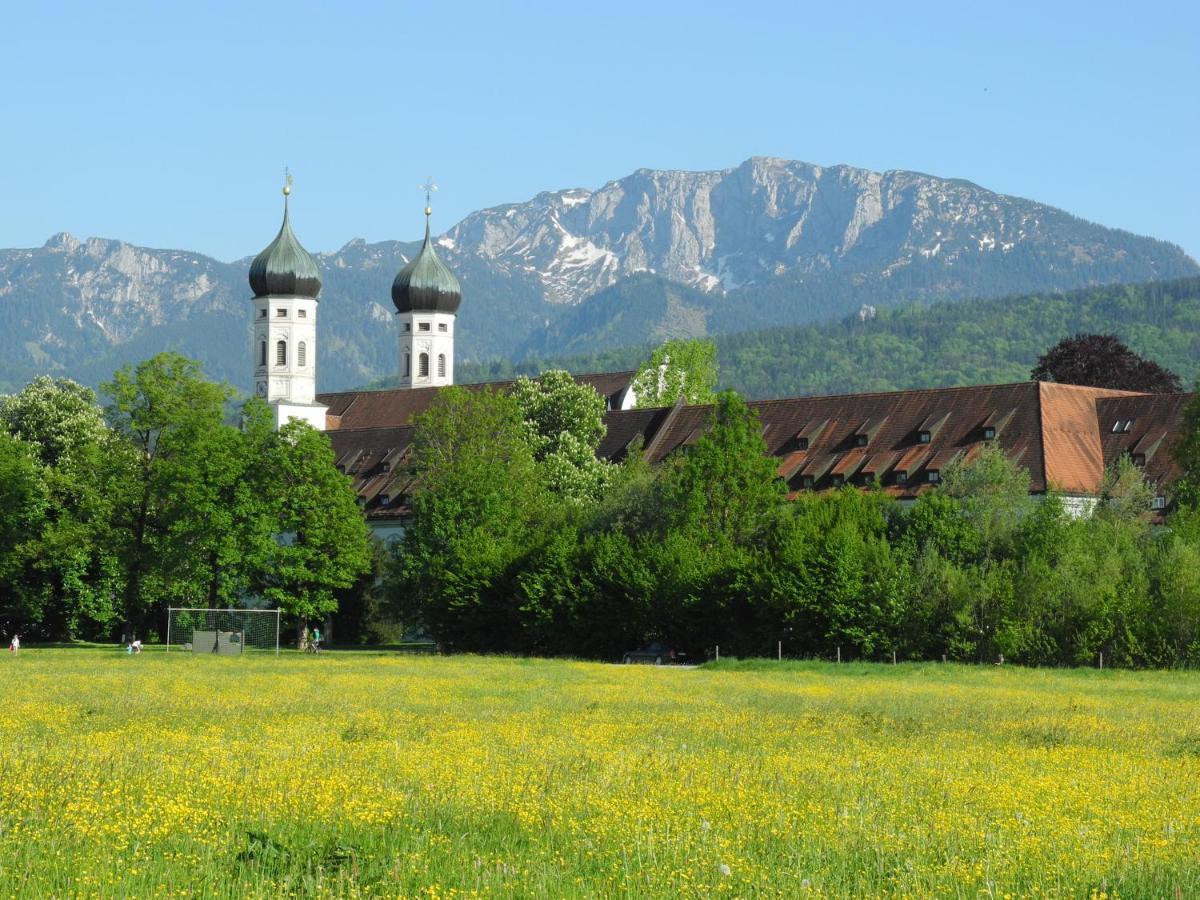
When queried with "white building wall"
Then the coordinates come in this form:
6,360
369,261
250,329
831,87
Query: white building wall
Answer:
431,334
291,387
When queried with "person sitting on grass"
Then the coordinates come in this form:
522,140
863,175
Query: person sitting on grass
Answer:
135,646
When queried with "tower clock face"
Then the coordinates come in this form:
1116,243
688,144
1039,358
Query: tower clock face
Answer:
261,389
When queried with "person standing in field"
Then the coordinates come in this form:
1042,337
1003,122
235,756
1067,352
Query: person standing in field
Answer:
316,640
14,646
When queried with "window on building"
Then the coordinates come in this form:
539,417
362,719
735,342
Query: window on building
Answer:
802,443
262,313
281,353
262,353
422,326
442,326
408,326
301,354
302,314
925,436
1139,460
934,476
901,478
836,480
807,482
441,365
280,313
989,433
423,365
1116,427
1158,503
860,440
1127,427
384,500
386,467
407,365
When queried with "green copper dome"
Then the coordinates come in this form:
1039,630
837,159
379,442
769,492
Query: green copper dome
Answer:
426,284
285,267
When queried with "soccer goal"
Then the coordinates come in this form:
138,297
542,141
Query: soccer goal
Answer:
227,632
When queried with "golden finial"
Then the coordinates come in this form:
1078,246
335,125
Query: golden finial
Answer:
287,182
428,187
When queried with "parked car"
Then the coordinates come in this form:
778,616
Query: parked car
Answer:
656,653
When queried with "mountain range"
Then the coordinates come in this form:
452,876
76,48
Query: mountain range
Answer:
653,255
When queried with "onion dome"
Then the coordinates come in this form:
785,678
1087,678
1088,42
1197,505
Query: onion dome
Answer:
426,284
285,267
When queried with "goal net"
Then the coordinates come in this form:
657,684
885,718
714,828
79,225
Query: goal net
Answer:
227,632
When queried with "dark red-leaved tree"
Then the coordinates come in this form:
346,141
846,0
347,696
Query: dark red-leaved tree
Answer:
1100,360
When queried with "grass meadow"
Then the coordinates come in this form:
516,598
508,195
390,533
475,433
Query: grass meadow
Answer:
355,774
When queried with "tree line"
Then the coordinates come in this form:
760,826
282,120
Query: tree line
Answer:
512,550
164,497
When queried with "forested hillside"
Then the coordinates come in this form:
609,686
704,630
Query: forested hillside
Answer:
931,345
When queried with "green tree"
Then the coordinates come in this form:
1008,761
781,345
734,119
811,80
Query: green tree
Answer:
23,503
1187,455
166,413
678,370
564,424
324,544
480,506
69,574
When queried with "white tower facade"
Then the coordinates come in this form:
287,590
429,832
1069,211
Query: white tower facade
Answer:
426,349
426,295
286,283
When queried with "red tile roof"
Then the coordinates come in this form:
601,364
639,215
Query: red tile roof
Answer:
1061,434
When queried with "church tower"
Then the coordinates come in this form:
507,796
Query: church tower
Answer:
286,282
426,295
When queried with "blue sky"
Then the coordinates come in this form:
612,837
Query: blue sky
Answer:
169,125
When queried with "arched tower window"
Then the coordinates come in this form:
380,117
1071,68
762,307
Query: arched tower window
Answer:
423,365
301,354
407,365
441,365
262,353
281,353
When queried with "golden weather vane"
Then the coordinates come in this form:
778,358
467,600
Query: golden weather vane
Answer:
428,187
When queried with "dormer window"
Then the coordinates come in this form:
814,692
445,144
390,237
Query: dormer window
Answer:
384,500
1139,460
802,443
386,467
1158,503
934,476
901,478
924,437
860,440
807,482
989,433
836,480
1127,427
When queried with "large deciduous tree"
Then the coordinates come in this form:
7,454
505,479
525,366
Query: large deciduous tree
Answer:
479,506
170,420
68,581
678,370
564,423
324,544
1101,360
